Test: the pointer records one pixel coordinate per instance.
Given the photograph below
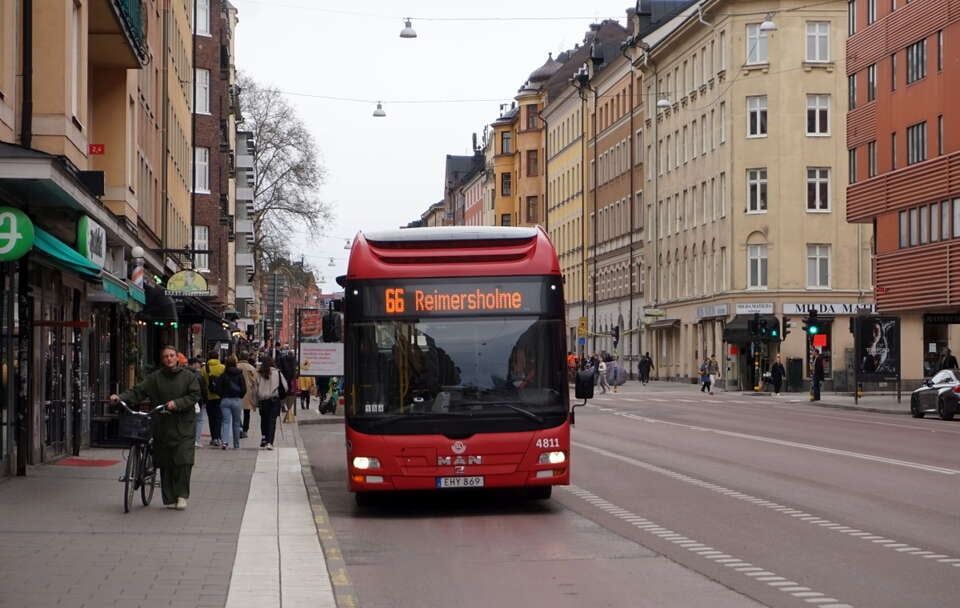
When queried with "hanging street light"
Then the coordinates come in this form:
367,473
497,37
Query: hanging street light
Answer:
408,31
379,113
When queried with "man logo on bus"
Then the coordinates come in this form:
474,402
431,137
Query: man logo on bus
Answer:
393,298
458,447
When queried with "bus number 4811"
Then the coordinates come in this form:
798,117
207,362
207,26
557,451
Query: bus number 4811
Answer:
549,442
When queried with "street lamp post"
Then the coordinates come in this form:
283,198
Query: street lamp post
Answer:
581,81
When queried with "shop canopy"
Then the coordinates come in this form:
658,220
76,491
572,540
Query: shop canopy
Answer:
737,331
64,255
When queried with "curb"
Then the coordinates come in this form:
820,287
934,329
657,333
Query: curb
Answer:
343,591
323,420
855,408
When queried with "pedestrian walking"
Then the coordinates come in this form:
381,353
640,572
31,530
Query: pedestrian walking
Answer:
646,364
306,385
193,363
947,361
211,370
705,376
247,364
286,362
817,376
602,375
714,369
777,374
232,389
271,389
616,375
178,389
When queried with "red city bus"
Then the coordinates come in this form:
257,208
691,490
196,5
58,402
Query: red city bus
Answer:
455,361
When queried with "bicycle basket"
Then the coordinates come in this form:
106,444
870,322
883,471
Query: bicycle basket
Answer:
133,426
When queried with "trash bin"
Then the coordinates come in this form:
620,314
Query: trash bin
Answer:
794,374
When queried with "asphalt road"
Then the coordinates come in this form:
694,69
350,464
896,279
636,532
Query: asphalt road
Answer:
680,499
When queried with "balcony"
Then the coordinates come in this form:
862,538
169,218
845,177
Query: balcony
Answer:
244,194
244,259
117,34
244,161
244,292
244,226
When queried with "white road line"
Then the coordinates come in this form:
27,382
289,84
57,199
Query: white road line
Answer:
795,444
795,514
753,572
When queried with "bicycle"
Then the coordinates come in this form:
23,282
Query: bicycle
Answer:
140,473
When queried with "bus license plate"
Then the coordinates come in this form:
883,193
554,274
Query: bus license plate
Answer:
460,482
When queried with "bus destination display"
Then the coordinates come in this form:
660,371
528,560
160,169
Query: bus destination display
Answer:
444,299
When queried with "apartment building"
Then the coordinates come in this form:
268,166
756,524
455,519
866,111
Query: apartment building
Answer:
745,188
903,144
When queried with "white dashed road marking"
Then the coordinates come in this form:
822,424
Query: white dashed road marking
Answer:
797,514
756,573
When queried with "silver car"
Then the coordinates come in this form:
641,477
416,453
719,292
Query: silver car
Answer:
939,395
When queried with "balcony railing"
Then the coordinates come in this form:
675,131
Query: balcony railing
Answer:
132,16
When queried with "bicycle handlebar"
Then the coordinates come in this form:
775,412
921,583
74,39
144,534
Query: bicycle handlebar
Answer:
154,410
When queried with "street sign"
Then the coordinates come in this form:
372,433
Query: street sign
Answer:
581,341
582,328
16,234
654,312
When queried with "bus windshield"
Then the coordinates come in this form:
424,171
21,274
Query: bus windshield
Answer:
477,367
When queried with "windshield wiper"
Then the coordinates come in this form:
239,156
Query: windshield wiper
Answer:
387,420
515,408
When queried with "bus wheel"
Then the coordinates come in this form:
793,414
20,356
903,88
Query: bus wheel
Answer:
365,499
540,492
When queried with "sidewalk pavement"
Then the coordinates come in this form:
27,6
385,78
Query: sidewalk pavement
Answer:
254,534
885,402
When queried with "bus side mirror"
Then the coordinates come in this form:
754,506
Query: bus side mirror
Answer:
583,384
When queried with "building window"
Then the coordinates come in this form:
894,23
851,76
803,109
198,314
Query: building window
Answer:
201,239
851,17
531,209
871,82
940,135
756,44
872,159
506,184
924,225
934,222
916,61
723,50
914,227
202,18
871,11
203,91
893,72
851,91
917,143
756,190
945,220
893,150
532,122
818,114
757,116
757,266
506,142
723,121
940,51
818,266
818,189
201,170
852,165
904,230
818,41
533,163
504,219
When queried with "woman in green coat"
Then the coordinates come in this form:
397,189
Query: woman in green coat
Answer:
173,430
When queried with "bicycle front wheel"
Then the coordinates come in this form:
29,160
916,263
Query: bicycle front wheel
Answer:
149,477
130,479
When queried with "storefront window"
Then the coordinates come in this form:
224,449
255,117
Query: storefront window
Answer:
823,340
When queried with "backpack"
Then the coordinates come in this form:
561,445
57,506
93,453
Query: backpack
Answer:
214,383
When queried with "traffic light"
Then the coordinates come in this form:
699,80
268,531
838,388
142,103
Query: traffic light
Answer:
754,326
787,326
810,323
615,332
764,329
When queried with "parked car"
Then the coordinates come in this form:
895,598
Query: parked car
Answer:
939,395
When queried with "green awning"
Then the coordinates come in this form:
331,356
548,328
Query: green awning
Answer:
64,255
114,287
136,293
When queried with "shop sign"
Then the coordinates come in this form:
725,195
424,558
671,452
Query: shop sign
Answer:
944,318
654,312
837,308
16,234
92,240
750,308
187,283
712,310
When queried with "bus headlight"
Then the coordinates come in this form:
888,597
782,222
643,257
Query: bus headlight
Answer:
553,458
365,462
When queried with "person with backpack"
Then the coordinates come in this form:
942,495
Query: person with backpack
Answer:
232,389
212,370
247,363
271,389
194,365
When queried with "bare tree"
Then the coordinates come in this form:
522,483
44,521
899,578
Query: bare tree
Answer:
287,174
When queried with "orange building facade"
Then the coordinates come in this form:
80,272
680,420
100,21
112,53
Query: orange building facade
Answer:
903,139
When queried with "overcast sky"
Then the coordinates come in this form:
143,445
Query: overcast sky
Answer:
437,90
